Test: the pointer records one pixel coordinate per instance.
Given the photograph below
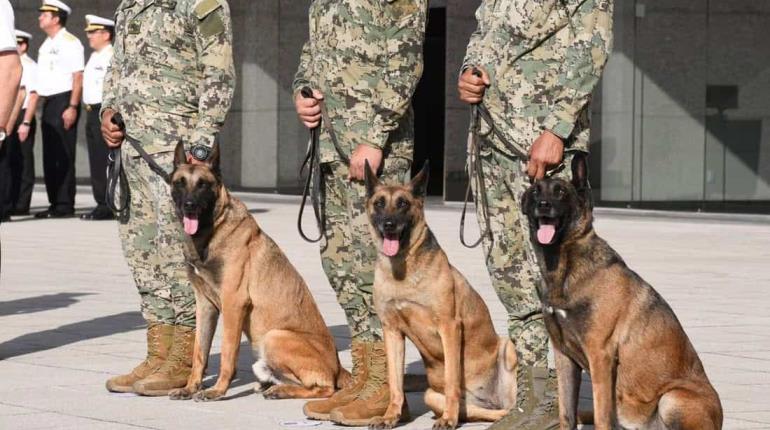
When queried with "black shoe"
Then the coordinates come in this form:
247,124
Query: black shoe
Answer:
98,214
52,213
5,218
20,212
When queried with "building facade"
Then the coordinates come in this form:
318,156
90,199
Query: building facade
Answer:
680,120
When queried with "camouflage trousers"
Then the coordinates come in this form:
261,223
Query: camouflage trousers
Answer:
348,252
510,258
152,239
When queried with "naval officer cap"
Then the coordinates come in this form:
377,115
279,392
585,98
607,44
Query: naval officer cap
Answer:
94,23
55,6
23,36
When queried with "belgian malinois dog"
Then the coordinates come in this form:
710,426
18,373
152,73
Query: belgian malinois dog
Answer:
237,270
604,318
471,370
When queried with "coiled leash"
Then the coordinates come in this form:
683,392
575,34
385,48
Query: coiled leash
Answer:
312,162
480,112
116,175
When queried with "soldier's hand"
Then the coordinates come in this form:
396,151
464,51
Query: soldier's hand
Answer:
358,162
23,132
309,109
111,133
546,152
69,116
472,87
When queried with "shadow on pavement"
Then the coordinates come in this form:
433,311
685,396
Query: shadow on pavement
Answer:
30,305
71,333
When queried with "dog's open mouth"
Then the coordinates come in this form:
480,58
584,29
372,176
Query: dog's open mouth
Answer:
546,230
391,244
190,222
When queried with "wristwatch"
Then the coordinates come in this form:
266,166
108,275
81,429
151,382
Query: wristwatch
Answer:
200,152
3,135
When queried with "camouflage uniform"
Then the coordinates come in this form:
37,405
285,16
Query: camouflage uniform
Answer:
544,58
172,78
365,56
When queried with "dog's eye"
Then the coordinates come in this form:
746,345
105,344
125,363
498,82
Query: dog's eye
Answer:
203,185
402,203
379,203
558,192
179,183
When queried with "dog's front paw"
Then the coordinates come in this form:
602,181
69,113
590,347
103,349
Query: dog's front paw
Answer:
180,394
444,424
208,395
383,423
276,392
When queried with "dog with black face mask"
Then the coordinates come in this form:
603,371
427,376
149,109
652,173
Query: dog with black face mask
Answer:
603,318
418,294
237,270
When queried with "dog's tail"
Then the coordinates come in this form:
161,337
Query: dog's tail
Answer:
585,417
344,379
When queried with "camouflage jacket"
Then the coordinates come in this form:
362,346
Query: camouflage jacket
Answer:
172,75
365,56
544,58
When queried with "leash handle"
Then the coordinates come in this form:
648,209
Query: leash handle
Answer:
312,163
117,119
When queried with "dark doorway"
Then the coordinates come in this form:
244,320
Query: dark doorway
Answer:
429,104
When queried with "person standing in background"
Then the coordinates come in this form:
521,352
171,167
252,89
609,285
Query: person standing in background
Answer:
21,141
60,81
10,76
100,33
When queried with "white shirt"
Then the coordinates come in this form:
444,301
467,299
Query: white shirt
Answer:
93,77
28,77
7,36
58,59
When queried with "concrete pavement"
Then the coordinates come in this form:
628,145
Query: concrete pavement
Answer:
69,316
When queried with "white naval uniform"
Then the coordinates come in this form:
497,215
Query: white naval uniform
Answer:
28,77
93,77
58,59
7,35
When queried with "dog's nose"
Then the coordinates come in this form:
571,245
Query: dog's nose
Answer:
389,225
188,205
544,204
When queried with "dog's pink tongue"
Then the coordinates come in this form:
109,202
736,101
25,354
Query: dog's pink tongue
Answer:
545,234
190,225
390,247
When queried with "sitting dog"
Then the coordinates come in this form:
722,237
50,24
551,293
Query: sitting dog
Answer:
602,317
417,293
238,270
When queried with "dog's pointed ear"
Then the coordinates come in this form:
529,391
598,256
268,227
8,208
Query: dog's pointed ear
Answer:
580,171
370,179
213,160
527,198
419,183
180,156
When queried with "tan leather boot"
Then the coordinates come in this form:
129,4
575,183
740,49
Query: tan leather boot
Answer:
320,409
159,337
175,370
372,401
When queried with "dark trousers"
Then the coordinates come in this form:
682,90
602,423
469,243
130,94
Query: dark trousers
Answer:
22,163
5,182
97,155
59,154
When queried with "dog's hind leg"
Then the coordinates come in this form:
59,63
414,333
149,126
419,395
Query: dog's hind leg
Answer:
299,361
468,412
688,410
206,315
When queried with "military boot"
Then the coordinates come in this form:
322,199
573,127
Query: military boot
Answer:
175,370
373,400
159,338
320,409
537,402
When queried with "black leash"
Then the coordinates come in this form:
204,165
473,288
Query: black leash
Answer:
116,176
312,162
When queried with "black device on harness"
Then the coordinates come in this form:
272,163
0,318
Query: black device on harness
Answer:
116,176
312,162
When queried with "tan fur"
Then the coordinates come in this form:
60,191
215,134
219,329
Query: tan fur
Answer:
602,317
243,275
418,294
